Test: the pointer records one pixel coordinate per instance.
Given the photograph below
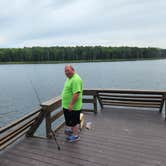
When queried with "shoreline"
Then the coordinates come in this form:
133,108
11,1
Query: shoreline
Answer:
78,61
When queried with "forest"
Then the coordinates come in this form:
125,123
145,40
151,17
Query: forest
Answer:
79,53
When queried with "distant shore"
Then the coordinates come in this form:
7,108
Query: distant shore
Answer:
79,61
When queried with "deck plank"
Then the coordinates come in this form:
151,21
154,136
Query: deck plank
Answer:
127,137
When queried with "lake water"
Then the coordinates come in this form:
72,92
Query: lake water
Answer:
17,96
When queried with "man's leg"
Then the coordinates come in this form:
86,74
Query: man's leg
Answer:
75,130
75,127
67,116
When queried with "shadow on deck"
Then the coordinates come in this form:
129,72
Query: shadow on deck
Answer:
119,137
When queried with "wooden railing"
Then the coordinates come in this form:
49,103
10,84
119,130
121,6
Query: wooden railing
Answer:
51,114
48,108
18,128
28,124
93,99
129,98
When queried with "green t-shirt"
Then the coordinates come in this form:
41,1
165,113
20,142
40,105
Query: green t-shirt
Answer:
72,86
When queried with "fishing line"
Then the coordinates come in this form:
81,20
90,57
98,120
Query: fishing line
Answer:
38,98
36,93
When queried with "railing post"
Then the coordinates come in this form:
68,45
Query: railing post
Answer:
162,103
95,103
48,123
36,124
165,103
100,102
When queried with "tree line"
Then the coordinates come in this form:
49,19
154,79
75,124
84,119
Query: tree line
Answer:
85,53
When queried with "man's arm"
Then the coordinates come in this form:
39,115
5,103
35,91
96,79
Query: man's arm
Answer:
74,99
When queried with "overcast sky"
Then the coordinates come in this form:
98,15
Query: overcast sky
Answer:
83,22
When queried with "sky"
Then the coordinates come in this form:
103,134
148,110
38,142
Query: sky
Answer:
27,23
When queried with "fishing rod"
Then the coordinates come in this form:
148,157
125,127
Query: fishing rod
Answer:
38,98
55,139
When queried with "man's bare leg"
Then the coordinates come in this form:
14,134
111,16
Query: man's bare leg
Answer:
75,130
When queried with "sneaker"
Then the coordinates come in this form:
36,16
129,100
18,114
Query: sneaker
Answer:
68,131
73,138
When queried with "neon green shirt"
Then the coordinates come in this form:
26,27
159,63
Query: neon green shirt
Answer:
72,86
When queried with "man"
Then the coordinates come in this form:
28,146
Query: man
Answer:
72,103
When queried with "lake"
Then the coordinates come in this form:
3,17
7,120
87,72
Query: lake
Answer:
17,82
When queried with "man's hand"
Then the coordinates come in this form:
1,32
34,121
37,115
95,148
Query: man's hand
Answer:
70,107
74,99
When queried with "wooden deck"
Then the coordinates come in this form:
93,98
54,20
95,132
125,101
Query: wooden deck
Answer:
119,137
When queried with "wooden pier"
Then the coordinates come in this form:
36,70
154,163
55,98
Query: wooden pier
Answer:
127,130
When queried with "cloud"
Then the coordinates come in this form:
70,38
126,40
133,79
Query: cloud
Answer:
77,22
